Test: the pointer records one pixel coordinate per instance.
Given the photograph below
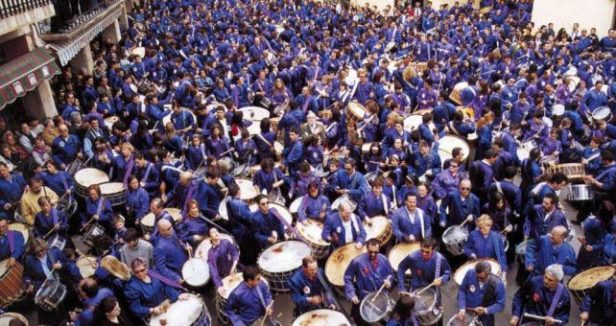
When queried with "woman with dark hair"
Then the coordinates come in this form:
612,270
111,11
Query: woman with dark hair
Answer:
500,212
531,172
109,313
265,140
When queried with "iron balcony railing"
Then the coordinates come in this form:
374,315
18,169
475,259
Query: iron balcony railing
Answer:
10,8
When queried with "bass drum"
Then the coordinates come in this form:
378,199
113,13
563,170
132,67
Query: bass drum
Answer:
446,145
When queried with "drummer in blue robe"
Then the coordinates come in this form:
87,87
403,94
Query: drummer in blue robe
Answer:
65,147
137,200
544,217
366,274
148,174
481,292
481,174
11,244
542,295
294,152
510,191
365,88
307,291
266,224
50,221
594,98
169,252
551,249
483,242
461,206
459,126
374,203
427,96
424,162
427,266
604,181
314,205
58,181
147,290
222,258
267,176
350,181
209,194
250,300
343,228
195,153
91,295
411,223
181,119
97,210
599,304
12,187
194,226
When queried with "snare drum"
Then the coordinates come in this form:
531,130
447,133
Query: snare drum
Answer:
579,193
339,261
426,309
87,177
50,295
456,93
115,192
574,171
470,320
184,312
355,111
94,231
11,283
255,113
56,242
196,272
248,191
21,228
454,239
401,251
375,306
379,228
342,199
322,317
87,265
524,149
446,145
280,261
458,276
311,230
602,113
582,283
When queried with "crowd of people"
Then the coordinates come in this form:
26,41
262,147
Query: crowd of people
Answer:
463,127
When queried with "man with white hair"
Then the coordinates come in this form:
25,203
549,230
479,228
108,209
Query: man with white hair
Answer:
344,227
544,296
551,249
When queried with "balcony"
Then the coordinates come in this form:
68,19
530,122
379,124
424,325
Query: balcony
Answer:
15,14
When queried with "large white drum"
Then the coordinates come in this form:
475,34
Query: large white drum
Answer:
181,313
196,272
446,145
229,284
311,231
412,122
87,177
280,261
322,317
458,276
255,113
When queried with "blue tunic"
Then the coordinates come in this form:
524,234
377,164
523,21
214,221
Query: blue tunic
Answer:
407,230
534,298
542,253
220,259
364,276
142,296
471,295
600,303
302,287
246,304
423,272
263,226
490,247
312,207
334,231
169,257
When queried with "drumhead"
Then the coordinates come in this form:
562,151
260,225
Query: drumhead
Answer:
461,272
375,306
229,284
181,313
284,213
455,234
90,176
339,261
590,277
6,318
400,251
109,121
255,113
378,225
412,122
175,213
294,207
21,228
357,109
425,300
283,257
112,188
247,189
196,272
4,267
148,220
322,317
446,145
311,231
87,265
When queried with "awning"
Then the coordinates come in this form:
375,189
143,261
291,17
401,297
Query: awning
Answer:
21,75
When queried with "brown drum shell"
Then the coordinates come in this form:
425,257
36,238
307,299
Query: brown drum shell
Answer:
11,285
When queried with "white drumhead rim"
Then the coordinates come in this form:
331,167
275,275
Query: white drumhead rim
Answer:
290,263
83,177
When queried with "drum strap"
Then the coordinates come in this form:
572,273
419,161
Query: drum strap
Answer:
165,280
306,103
147,172
100,206
189,194
385,206
499,188
202,150
11,237
605,172
236,97
54,215
555,299
129,170
437,271
495,238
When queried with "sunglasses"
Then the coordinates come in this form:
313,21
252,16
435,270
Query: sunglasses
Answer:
264,203
140,271
465,188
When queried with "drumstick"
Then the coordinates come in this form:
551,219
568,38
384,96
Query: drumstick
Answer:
422,290
50,232
265,317
537,317
380,289
88,223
